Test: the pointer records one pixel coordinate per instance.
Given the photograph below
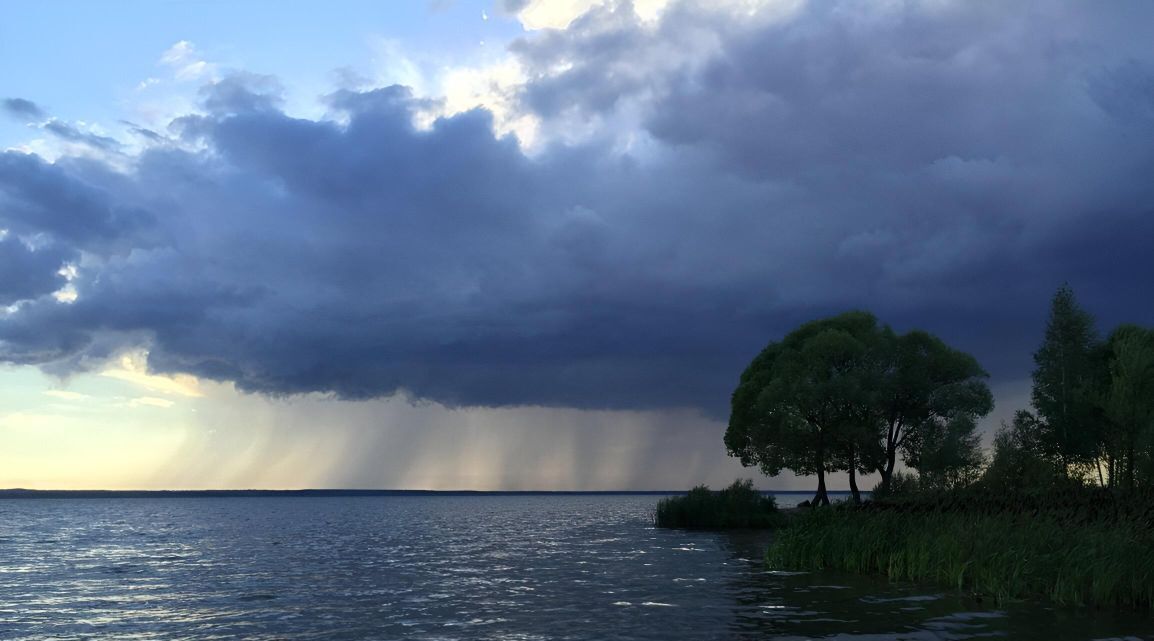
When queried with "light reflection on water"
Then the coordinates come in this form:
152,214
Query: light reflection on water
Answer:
488,567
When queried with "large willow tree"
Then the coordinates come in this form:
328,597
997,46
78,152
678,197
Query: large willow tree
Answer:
798,400
846,394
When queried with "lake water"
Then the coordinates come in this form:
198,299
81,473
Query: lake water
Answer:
450,567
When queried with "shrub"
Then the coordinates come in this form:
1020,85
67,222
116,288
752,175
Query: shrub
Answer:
901,484
737,506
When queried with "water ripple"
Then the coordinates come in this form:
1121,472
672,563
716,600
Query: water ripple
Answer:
521,568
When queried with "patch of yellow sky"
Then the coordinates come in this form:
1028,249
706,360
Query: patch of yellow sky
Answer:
94,431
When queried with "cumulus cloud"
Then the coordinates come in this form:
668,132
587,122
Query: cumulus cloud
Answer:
242,92
187,63
66,202
30,273
944,164
966,145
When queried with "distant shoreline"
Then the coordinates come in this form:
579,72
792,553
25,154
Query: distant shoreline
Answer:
17,493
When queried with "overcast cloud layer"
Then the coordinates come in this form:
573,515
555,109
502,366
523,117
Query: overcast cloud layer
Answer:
706,182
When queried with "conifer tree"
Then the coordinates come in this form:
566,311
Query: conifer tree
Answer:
1063,383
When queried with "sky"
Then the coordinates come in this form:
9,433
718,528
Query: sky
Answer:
518,244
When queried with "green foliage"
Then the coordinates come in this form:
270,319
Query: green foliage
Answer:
1019,461
946,454
1093,404
901,484
1030,526
1064,500
1064,381
737,506
847,394
930,398
799,405
757,436
1011,549
1128,403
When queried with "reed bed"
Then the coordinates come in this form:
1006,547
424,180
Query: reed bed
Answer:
1071,503
1065,557
737,506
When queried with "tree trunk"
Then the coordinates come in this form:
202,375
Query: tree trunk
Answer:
887,472
1130,465
853,475
821,498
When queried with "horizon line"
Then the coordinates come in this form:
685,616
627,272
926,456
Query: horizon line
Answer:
19,492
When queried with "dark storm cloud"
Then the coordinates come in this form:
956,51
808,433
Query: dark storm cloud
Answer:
29,273
946,165
23,109
949,164
37,197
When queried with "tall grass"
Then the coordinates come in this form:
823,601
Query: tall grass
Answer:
1107,562
1067,503
737,506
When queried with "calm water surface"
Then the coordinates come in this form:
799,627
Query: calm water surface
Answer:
488,567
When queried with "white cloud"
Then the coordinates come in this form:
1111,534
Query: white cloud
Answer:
66,294
492,87
559,14
554,14
186,63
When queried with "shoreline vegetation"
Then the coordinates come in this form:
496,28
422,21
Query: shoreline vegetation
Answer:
1062,508
1078,548
738,506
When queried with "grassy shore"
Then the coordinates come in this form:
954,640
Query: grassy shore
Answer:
737,506
1100,555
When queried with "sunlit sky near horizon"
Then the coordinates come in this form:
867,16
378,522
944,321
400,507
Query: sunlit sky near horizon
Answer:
504,244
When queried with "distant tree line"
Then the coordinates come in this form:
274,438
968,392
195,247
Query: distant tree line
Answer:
1093,408
848,395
